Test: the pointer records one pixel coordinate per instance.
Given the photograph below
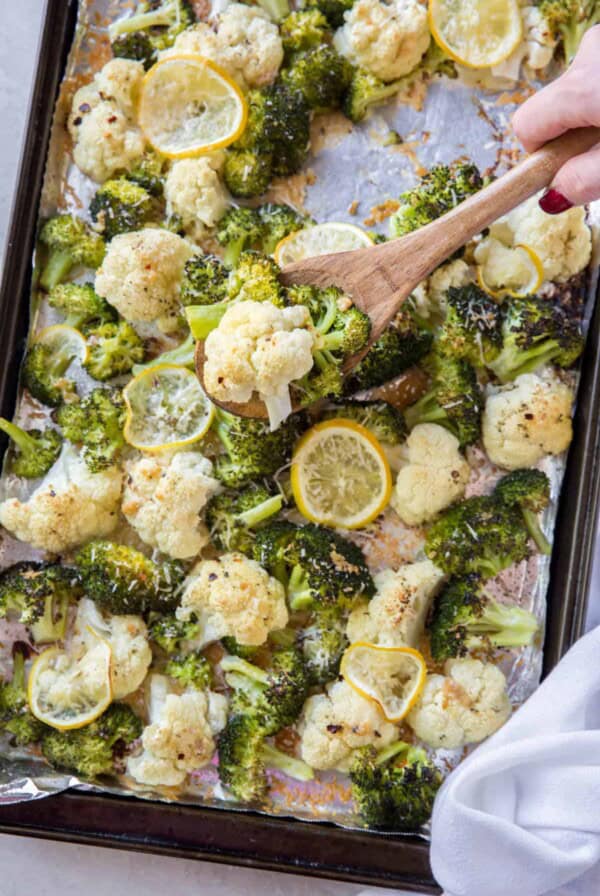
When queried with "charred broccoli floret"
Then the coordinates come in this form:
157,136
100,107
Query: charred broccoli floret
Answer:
171,633
113,350
96,749
480,535
120,206
472,326
333,10
204,281
136,46
44,371
68,242
439,191
394,789
278,221
568,20
232,517
304,29
536,332
530,491
455,400
320,75
16,719
247,172
149,172
159,20
382,419
123,580
191,670
399,347
96,424
278,130
323,642
81,305
38,595
238,229
34,450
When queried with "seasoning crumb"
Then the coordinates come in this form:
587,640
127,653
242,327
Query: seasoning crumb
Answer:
353,207
382,211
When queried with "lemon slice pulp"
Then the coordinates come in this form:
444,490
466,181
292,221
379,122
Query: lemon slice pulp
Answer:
322,239
166,408
340,475
66,341
527,274
68,690
476,33
392,677
189,106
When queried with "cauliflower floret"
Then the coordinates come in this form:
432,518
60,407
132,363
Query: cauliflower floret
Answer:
562,242
435,474
233,597
536,49
527,419
181,735
430,295
102,122
396,615
387,39
464,706
195,194
70,506
163,498
128,637
336,723
246,44
503,267
141,275
258,347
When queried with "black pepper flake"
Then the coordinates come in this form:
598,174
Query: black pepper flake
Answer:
212,577
333,729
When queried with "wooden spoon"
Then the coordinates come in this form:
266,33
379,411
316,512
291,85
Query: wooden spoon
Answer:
381,277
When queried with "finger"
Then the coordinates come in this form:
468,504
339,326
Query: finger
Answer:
579,178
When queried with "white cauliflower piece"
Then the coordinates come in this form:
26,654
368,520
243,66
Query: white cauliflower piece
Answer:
180,737
163,498
128,637
102,123
395,617
527,419
430,295
69,507
336,723
434,475
258,347
233,597
194,192
246,44
387,39
503,267
464,706
536,50
562,242
141,275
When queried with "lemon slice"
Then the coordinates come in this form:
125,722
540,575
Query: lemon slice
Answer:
322,239
189,106
476,33
69,691
340,475
166,408
66,341
526,272
393,677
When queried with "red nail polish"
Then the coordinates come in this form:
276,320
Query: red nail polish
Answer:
553,203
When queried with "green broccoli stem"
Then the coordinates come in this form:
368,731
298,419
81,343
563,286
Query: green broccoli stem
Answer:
52,625
289,765
263,511
203,319
572,34
426,410
57,267
501,626
156,18
535,530
18,672
299,596
529,360
183,356
26,444
330,341
392,750
235,665
233,251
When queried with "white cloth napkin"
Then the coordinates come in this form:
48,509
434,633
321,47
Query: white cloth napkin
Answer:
521,815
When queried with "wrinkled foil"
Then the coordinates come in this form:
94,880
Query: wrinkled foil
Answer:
351,173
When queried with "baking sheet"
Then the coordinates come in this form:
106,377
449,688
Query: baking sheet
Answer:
376,172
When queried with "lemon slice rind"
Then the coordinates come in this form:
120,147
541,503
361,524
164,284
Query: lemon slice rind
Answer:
374,671
62,335
476,33
536,269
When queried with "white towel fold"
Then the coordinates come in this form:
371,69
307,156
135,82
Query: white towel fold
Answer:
521,815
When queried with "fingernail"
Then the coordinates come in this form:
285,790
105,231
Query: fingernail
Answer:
553,202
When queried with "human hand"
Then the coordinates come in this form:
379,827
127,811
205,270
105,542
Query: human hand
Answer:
572,101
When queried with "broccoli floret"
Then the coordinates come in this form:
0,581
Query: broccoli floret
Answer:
382,419
394,789
81,305
398,348
232,517
15,716
204,281
123,580
96,424
43,373
323,642
160,20
136,46
120,206
318,566
247,173
440,190
171,633
481,535
568,20
286,128
320,75
245,651
238,229
256,279
34,450
38,595
278,221
472,327
96,749
333,10
465,619
69,242
274,695
455,400
149,172
536,332
302,30
191,670
113,350
530,491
